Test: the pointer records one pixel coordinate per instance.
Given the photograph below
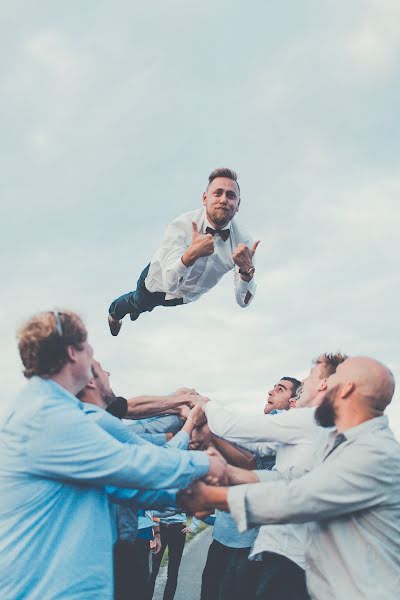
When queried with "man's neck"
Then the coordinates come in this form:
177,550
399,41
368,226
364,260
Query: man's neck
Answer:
66,380
348,421
93,399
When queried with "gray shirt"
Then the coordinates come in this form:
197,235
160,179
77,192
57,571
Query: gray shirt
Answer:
351,501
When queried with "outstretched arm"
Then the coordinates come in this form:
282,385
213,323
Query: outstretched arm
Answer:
141,407
245,286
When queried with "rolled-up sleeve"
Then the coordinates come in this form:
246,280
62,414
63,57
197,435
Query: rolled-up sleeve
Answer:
244,290
175,243
353,481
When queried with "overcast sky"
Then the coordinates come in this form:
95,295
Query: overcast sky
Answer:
113,115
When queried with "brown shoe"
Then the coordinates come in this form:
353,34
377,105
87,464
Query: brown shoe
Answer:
114,325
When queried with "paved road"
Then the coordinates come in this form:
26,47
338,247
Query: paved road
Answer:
193,561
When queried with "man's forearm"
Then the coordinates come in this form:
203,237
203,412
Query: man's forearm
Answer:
140,407
235,456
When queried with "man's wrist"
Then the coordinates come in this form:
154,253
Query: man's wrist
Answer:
247,273
218,498
188,258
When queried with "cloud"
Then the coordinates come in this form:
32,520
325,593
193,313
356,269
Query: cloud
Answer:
113,120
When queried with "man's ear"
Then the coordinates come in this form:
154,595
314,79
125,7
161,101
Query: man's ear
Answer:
237,208
347,389
91,385
204,198
72,354
323,384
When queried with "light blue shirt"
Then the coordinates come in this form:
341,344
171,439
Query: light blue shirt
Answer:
55,526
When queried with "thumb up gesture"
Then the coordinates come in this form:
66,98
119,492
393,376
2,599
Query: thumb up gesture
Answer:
202,245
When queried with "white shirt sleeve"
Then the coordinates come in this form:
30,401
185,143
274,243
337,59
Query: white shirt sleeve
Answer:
289,427
174,244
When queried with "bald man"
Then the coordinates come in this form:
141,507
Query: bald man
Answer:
350,499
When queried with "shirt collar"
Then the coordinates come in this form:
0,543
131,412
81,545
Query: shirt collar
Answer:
367,427
49,384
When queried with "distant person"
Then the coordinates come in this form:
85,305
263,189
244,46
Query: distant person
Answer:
198,248
173,530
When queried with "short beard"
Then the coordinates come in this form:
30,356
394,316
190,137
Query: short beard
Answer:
107,396
325,413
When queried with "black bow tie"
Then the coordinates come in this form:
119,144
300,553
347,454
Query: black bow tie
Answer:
224,233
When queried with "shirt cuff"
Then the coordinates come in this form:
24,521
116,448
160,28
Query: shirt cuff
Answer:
267,476
237,506
180,440
181,270
247,286
201,462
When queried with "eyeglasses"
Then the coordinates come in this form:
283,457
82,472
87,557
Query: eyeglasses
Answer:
57,319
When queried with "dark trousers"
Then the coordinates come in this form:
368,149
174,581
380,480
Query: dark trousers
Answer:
171,536
218,558
240,576
131,569
140,300
280,579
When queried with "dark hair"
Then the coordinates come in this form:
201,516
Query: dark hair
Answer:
44,339
331,361
223,172
296,384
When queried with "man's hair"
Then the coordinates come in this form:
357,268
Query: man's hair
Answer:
44,339
295,382
223,172
330,361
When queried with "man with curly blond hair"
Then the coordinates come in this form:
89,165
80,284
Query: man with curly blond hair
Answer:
58,468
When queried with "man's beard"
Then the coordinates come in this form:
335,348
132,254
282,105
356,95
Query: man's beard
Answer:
220,217
107,396
325,413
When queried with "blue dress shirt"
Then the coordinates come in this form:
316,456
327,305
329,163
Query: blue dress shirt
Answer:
55,526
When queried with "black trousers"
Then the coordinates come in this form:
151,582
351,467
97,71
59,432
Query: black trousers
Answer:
131,570
218,558
140,300
280,579
239,579
173,538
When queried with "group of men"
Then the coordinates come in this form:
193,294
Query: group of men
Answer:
306,496
328,511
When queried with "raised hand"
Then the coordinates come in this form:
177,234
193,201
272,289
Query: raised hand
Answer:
197,415
243,256
202,245
185,391
218,470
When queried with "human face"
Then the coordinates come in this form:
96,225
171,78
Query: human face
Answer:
310,386
200,438
221,200
82,361
102,382
279,396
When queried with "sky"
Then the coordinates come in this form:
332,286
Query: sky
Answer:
113,115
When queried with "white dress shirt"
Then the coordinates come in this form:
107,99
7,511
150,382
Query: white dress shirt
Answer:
351,504
292,435
168,274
